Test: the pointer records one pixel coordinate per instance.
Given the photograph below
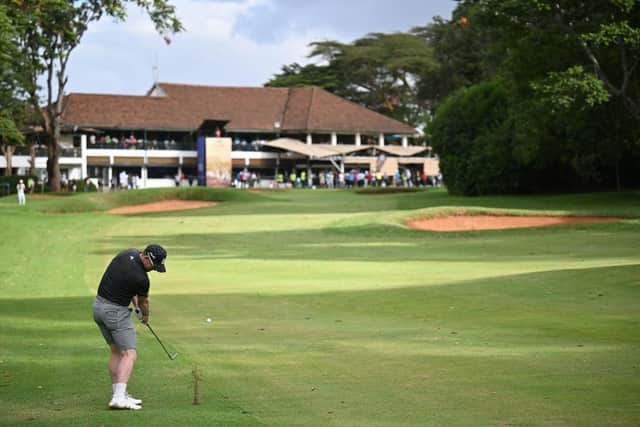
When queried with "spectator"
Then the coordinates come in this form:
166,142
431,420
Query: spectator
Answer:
22,199
244,178
330,179
124,180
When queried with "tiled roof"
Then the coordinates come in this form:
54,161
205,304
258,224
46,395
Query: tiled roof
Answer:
308,109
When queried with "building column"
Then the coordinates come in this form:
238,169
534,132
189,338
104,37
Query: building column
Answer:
144,176
358,139
111,173
309,139
83,154
405,141
381,140
334,138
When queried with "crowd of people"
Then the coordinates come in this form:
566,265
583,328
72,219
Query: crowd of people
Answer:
131,142
246,179
357,178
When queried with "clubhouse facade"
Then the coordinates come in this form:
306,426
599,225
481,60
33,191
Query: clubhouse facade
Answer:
207,134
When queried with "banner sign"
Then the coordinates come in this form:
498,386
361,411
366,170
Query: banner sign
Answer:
218,162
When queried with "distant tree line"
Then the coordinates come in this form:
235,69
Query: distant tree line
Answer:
515,96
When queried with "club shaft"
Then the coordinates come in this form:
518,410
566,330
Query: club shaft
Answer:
159,341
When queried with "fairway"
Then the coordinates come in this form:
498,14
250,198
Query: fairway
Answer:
327,311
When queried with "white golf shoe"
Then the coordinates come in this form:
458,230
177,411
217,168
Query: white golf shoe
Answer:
125,403
134,400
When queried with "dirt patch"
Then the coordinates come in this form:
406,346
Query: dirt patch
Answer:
493,222
163,206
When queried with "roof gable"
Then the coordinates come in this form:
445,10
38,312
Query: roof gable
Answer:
258,109
330,112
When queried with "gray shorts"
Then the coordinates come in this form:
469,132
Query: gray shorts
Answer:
115,323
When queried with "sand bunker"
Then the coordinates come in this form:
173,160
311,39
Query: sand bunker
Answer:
163,206
493,222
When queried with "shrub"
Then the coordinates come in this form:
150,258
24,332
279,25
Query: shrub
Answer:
473,136
81,184
12,181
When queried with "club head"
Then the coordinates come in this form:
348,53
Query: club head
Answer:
173,356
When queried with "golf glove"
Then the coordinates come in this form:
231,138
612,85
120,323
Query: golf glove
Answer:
139,314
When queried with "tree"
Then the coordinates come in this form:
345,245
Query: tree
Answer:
591,52
474,138
11,90
48,33
10,136
460,48
296,75
382,72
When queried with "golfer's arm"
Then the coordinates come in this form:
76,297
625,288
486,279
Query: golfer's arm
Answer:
143,303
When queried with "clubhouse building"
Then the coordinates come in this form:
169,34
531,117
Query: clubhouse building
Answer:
207,134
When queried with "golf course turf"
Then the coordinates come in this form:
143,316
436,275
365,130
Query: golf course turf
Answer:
327,311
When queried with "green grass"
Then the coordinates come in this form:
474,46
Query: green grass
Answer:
328,312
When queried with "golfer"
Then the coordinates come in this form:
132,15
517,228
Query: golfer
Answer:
124,281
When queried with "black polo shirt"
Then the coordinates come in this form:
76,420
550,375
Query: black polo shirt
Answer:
124,278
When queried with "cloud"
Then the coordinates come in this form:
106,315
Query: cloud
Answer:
231,42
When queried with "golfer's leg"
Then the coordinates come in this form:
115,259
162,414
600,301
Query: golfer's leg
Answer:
125,367
114,363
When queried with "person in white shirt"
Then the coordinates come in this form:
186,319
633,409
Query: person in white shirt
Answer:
22,199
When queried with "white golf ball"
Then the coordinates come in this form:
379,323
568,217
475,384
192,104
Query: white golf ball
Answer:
208,320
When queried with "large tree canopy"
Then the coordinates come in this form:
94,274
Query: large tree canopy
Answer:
48,33
11,90
571,70
380,71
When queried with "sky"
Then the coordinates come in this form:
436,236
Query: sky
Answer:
230,42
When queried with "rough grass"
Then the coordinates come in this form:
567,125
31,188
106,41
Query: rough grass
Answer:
327,311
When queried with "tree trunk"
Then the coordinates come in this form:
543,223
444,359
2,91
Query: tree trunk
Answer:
7,151
53,164
32,161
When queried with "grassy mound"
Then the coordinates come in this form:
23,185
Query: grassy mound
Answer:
389,190
92,202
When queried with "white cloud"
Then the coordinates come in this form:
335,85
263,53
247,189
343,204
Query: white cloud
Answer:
235,43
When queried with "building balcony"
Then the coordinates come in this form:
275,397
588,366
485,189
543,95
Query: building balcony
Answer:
143,145
42,151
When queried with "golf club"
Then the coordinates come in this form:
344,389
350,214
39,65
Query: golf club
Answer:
172,356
